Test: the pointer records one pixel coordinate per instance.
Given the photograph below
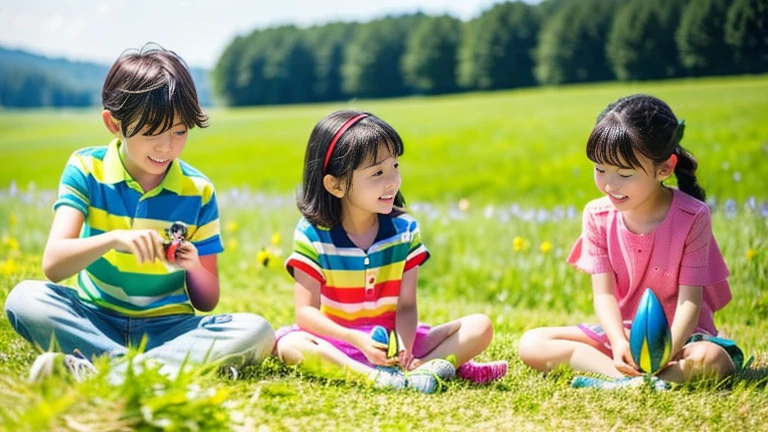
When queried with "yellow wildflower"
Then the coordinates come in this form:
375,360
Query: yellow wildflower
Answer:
751,253
220,396
8,267
232,227
276,239
232,244
518,244
546,247
12,243
12,220
263,257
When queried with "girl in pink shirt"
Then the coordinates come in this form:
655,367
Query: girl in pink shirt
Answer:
643,234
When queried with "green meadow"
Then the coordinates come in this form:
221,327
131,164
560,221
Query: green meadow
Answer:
497,181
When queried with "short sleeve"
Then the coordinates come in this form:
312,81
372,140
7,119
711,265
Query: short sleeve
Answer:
590,253
207,237
417,252
702,263
305,255
73,186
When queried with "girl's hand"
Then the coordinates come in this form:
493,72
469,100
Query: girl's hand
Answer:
375,352
622,359
187,257
146,244
407,360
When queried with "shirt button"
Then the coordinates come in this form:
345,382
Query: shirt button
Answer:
366,261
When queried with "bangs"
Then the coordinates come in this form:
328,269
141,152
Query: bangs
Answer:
367,140
164,104
610,143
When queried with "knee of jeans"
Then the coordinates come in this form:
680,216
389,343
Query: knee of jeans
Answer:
23,300
258,331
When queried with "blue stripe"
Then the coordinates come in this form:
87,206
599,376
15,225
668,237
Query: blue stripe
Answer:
190,171
93,152
211,245
117,199
209,212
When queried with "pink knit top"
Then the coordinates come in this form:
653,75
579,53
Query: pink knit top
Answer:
681,250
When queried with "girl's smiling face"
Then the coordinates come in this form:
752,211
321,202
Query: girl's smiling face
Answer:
632,188
374,185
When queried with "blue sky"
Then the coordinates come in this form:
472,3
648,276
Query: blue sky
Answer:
198,30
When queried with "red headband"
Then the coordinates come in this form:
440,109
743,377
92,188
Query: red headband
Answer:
347,124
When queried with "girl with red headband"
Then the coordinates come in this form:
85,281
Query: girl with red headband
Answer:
355,262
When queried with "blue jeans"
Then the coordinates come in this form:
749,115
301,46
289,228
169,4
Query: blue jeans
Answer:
41,311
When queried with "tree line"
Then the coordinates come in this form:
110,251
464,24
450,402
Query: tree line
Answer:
512,44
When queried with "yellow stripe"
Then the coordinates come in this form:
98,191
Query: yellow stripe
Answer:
366,313
101,220
645,357
356,278
127,263
198,234
94,166
196,186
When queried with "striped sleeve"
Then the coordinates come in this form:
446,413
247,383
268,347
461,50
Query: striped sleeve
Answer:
305,255
207,237
73,186
417,252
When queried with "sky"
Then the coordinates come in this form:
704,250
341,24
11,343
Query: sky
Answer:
198,30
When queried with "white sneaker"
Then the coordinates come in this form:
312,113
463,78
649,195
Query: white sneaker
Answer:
48,363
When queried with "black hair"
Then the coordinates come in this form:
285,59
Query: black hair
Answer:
147,88
643,125
358,144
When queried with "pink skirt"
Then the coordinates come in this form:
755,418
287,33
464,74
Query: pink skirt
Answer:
351,351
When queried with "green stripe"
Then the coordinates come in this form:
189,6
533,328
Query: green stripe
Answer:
137,284
307,250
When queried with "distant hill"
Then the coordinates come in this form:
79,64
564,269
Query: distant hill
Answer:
30,80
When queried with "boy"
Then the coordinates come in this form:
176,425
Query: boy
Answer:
113,203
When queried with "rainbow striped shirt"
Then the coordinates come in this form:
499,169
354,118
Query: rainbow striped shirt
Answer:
96,183
358,287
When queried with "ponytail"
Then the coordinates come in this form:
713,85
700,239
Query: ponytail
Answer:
685,171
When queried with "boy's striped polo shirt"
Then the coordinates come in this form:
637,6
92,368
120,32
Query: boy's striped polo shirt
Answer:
358,287
96,183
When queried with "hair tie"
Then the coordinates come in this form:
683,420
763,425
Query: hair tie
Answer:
680,131
347,124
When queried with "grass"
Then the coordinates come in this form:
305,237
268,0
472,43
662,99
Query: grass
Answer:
500,252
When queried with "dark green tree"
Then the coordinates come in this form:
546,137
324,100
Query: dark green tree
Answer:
373,56
572,43
701,38
272,66
431,55
746,32
642,44
327,44
226,76
496,50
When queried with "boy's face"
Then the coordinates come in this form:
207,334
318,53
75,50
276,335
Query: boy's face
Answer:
148,156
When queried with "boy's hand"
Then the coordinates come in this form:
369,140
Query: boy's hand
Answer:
375,352
146,244
186,256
